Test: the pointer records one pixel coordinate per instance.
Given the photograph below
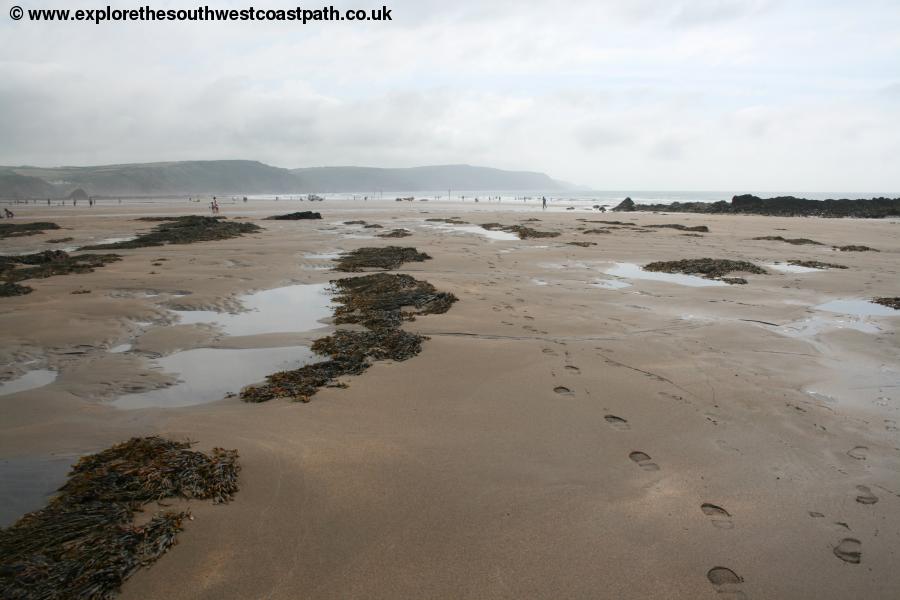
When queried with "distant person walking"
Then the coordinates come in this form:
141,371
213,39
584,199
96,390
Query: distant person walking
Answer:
9,214
543,201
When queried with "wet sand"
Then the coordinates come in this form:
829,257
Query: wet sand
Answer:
558,436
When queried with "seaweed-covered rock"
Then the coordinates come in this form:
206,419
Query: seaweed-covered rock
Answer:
522,231
25,229
788,206
384,300
386,258
582,244
702,228
710,268
182,230
855,248
893,302
450,221
815,264
794,241
85,543
49,263
8,289
395,233
295,216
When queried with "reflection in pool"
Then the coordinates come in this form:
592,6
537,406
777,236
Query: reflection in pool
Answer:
209,374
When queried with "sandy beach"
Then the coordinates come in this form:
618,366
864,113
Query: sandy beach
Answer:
571,429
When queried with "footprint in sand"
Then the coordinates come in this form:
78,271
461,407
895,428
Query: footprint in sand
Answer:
849,550
718,516
573,369
644,461
858,452
865,495
727,582
617,423
890,425
563,390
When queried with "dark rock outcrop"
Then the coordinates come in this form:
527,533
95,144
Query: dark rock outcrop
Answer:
626,205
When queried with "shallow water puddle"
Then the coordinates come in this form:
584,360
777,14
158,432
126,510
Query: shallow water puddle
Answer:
116,240
857,307
786,268
209,374
815,325
496,235
29,381
331,255
26,483
281,310
634,271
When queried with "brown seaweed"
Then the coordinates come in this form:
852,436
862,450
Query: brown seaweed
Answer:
815,264
702,228
84,544
795,241
386,258
45,264
710,268
25,229
8,289
522,231
380,302
395,233
182,230
890,302
855,248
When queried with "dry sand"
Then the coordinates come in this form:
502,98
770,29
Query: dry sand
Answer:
470,471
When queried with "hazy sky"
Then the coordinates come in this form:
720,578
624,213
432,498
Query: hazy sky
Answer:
634,94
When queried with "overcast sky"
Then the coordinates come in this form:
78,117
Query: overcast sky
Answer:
797,95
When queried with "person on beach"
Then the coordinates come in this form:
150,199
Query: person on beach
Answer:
543,201
9,214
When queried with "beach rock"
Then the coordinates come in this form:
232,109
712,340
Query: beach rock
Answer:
626,205
295,216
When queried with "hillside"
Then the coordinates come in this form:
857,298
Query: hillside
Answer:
252,177
442,177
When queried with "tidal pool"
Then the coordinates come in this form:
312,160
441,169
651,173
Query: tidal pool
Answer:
27,483
858,307
29,381
209,374
330,255
786,268
286,309
635,271
496,235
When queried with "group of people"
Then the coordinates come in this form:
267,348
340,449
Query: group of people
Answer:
214,206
